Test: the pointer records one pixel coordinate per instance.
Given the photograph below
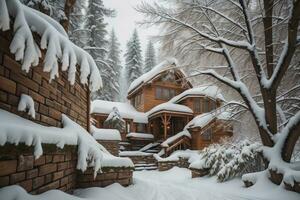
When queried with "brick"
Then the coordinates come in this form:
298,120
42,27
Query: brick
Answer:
48,178
58,175
47,169
54,114
124,174
43,91
8,167
19,78
27,185
37,182
44,109
68,156
62,166
37,97
49,158
37,78
17,177
39,161
21,89
4,181
64,181
58,158
25,163
106,176
3,96
50,186
7,85
48,120
13,100
32,173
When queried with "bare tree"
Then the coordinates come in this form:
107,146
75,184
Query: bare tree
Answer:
233,27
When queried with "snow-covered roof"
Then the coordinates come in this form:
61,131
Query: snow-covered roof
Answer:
175,137
105,134
15,130
152,73
54,40
171,107
208,91
200,120
140,135
125,109
205,118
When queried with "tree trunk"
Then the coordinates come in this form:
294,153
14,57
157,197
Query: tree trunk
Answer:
290,143
69,4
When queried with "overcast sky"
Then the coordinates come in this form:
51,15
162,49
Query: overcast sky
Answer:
125,22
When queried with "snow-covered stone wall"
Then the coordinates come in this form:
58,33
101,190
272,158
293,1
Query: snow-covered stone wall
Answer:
50,99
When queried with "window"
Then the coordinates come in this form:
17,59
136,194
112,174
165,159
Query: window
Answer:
140,128
197,105
164,93
137,100
206,105
207,134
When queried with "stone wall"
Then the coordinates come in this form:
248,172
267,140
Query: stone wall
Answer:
55,169
51,99
108,176
111,145
166,165
147,159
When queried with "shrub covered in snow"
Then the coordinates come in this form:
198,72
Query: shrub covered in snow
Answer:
227,161
114,120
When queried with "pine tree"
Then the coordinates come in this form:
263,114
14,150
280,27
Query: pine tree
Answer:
113,59
150,60
114,120
133,58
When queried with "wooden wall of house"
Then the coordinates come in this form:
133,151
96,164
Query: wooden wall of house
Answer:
148,92
190,101
220,129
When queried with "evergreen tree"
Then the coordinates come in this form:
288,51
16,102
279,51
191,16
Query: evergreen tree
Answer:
114,120
150,60
133,58
113,59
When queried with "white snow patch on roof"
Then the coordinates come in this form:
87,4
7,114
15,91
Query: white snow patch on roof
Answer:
125,109
168,106
171,139
105,134
200,120
140,135
208,91
152,73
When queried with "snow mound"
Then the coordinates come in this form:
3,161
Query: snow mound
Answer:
126,110
53,39
212,92
168,106
191,155
140,135
26,103
200,120
134,153
165,65
105,134
15,130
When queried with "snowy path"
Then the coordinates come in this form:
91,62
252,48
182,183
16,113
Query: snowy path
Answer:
175,184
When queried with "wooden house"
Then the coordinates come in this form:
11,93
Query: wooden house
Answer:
161,103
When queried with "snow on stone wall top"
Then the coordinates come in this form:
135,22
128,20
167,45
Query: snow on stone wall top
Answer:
125,109
105,134
152,73
15,130
209,91
58,48
140,135
169,106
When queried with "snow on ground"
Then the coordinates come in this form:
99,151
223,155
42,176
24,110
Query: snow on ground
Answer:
168,185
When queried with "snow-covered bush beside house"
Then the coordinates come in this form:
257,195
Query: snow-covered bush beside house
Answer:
105,134
227,160
16,130
26,103
54,40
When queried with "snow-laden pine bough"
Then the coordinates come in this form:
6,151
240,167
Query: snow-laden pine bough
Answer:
235,27
54,40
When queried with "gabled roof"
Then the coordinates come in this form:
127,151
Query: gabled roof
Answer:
212,92
169,107
126,110
166,65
